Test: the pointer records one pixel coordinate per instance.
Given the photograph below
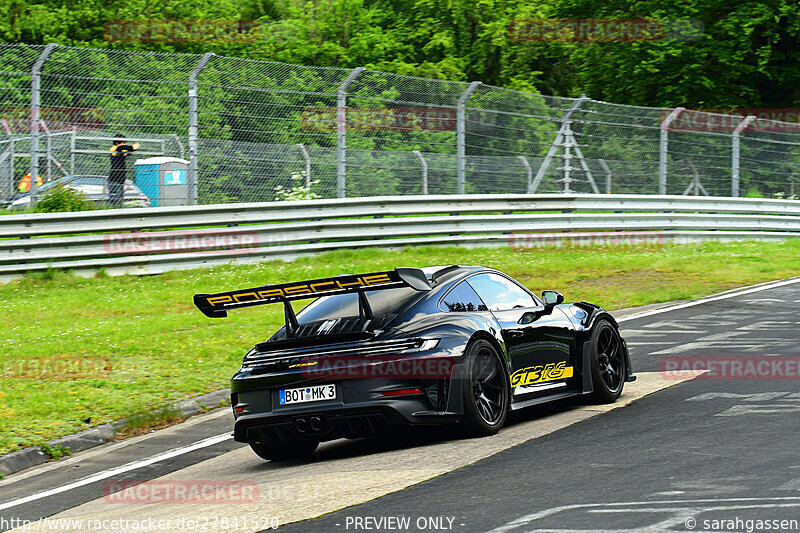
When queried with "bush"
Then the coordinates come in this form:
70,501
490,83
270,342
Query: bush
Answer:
298,191
64,199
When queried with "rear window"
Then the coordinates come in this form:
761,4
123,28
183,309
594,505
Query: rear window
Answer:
346,305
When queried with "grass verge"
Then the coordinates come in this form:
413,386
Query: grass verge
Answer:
81,352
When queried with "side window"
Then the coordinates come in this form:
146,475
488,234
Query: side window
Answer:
500,293
462,299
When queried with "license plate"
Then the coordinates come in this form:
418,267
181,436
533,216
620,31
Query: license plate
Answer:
317,393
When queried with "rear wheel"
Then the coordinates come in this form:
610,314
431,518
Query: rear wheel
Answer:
285,451
608,362
486,390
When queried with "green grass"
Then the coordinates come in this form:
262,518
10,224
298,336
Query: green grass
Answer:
149,346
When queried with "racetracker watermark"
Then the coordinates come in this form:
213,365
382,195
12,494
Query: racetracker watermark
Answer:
56,367
18,119
376,367
730,368
379,119
606,238
198,241
171,492
196,522
768,120
605,30
181,31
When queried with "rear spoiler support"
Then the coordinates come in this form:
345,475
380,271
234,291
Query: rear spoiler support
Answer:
290,319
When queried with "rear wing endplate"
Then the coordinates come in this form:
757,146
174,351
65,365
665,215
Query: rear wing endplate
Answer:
218,305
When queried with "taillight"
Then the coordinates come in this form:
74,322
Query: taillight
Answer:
401,392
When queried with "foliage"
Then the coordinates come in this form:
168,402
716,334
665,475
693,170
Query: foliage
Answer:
747,56
298,191
56,452
62,198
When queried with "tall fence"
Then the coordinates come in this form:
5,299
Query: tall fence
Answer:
248,127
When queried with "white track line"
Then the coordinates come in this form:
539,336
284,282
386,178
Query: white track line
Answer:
723,296
118,470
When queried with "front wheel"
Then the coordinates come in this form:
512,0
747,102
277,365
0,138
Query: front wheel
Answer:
285,451
486,391
608,362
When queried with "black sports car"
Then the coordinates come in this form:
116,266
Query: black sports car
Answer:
444,344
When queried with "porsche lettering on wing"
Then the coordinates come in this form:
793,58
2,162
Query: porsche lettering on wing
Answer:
320,286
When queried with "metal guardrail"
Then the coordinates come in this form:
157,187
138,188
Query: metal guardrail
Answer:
147,241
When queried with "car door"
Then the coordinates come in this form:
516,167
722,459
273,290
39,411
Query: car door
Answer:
541,350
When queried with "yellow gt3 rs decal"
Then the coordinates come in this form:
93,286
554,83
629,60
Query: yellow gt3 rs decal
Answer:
539,374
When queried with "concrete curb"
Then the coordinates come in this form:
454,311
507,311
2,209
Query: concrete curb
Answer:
89,438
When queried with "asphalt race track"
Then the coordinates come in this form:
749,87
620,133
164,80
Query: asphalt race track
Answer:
714,453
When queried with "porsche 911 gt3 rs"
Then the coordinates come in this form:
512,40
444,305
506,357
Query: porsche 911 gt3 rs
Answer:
438,345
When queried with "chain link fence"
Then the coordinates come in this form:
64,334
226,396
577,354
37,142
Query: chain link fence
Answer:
247,127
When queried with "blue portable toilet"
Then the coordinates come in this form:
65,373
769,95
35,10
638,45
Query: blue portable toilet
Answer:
163,180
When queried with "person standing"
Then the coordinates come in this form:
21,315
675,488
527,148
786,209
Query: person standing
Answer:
119,170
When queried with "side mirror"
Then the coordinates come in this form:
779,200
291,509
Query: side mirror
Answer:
552,298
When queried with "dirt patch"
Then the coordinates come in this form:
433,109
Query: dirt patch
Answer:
618,289
633,281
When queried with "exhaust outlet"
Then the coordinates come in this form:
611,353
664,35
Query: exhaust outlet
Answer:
300,425
315,423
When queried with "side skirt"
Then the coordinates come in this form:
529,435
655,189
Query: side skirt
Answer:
544,399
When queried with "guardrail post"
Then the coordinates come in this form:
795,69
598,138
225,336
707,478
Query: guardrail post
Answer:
528,173
341,132
735,153
191,180
36,88
424,170
662,150
461,129
307,159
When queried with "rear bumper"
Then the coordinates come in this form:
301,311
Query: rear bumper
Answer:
360,409
334,422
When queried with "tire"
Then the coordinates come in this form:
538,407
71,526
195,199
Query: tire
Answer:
486,391
286,451
608,362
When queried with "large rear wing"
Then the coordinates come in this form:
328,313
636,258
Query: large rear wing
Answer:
217,305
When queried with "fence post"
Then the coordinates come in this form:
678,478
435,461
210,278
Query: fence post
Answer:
36,88
607,173
424,170
461,135
179,143
11,155
565,119
735,153
341,132
72,150
307,159
662,150
192,177
48,149
528,173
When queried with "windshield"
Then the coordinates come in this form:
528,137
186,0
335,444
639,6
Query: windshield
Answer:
346,305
